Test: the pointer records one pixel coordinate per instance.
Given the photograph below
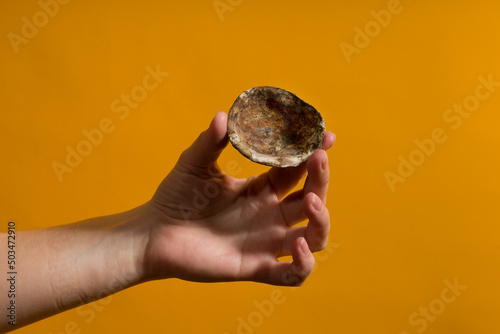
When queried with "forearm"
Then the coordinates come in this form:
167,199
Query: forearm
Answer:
62,267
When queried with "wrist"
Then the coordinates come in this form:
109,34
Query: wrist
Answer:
115,256
132,235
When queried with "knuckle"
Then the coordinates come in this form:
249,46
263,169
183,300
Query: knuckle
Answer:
319,244
324,177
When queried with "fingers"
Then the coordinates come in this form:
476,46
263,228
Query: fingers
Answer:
206,149
315,232
294,273
317,182
318,175
285,179
291,208
300,242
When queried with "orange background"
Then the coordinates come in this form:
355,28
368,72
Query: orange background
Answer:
391,251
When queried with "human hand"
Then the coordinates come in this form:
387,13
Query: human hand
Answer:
201,225
209,226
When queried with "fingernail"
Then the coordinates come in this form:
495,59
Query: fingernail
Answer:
304,247
316,203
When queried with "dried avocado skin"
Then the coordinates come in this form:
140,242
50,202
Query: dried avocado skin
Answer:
274,127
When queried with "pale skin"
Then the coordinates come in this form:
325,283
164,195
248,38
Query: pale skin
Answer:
236,234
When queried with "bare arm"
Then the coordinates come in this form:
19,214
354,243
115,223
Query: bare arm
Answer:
238,233
66,266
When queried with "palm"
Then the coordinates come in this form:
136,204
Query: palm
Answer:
228,226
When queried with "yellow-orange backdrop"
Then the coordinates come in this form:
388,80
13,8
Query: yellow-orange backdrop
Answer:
410,88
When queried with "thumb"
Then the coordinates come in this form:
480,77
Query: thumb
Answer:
205,150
